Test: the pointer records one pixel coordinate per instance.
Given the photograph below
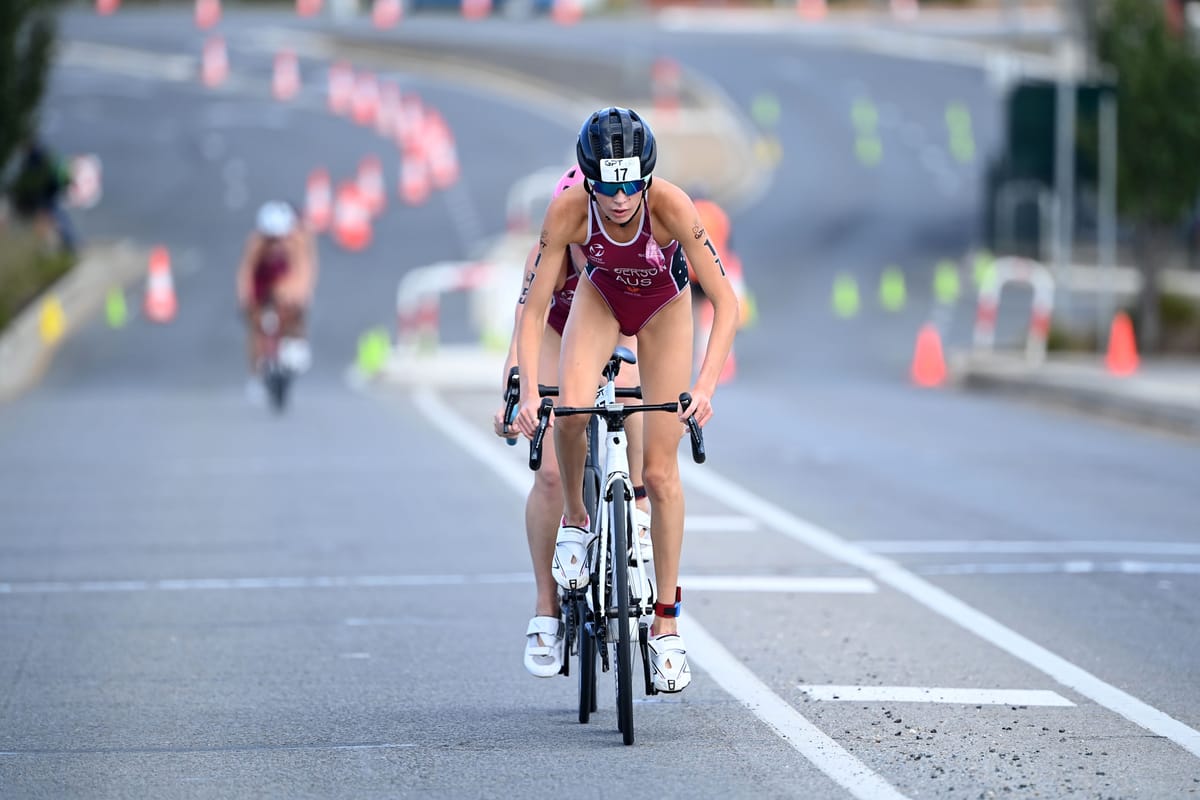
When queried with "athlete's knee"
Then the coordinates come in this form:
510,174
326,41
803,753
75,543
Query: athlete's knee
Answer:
547,483
661,479
569,428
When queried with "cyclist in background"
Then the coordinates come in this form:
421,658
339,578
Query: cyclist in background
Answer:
544,637
278,268
636,284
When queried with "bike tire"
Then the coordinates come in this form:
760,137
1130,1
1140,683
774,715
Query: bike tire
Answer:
277,388
586,643
618,520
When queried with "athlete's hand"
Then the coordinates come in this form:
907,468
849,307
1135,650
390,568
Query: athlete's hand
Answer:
503,430
700,407
527,417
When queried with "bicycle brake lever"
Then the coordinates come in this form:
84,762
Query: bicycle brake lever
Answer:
511,395
535,445
694,429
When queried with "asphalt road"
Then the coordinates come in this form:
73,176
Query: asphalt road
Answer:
198,600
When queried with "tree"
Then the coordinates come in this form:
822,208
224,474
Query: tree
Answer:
1158,123
27,34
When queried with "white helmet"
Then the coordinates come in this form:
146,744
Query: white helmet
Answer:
276,219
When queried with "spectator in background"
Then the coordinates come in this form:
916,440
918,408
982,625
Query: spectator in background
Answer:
37,193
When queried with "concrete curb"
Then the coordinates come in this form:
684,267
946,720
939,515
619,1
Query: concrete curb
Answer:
24,352
1139,400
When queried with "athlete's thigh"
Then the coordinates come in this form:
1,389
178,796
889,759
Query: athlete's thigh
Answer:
665,359
588,341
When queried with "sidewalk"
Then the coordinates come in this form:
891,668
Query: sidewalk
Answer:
1163,394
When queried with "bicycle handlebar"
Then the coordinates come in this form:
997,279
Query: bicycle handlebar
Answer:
547,407
512,395
621,391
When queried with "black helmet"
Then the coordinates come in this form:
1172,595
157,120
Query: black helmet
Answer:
611,134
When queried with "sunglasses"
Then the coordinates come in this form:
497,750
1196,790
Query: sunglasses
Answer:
630,188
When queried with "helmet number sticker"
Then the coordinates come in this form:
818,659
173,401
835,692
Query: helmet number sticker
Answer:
619,170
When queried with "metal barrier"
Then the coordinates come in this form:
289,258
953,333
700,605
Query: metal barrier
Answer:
1016,270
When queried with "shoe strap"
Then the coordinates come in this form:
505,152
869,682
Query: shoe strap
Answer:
667,610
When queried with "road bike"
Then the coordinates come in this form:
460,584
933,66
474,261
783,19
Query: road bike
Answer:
575,605
619,593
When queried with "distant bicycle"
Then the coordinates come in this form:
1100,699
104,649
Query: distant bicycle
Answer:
609,609
281,360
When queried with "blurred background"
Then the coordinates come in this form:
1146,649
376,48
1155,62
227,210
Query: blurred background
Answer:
200,596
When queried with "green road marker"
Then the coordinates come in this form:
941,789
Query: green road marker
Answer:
845,296
962,139
869,150
984,268
52,320
114,308
946,286
374,347
865,116
765,110
891,289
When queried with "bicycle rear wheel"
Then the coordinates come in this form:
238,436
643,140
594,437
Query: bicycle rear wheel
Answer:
618,519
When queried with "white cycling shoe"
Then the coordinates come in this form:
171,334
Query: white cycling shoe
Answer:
668,663
544,647
571,569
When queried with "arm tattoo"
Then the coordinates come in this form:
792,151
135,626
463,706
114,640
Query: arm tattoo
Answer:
542,240
713,250
528,283
698,230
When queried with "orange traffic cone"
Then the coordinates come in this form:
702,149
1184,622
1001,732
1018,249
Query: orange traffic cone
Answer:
928,366
1122,358
214,67
318,200
351,218
160,305
386,13
476,9
208,13
414,176
285,81
566,12
812,9
371,186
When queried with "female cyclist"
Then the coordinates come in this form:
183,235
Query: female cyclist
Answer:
543,637
635,282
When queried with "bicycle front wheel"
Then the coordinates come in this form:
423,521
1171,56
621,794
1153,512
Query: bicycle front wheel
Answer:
618,519
585,640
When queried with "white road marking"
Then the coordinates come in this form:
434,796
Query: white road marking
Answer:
809,740
935,694
1065,567
717,523
710,583
993,546
824,753
778,583
936,599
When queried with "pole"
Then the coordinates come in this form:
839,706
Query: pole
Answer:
1107,223
1064,167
